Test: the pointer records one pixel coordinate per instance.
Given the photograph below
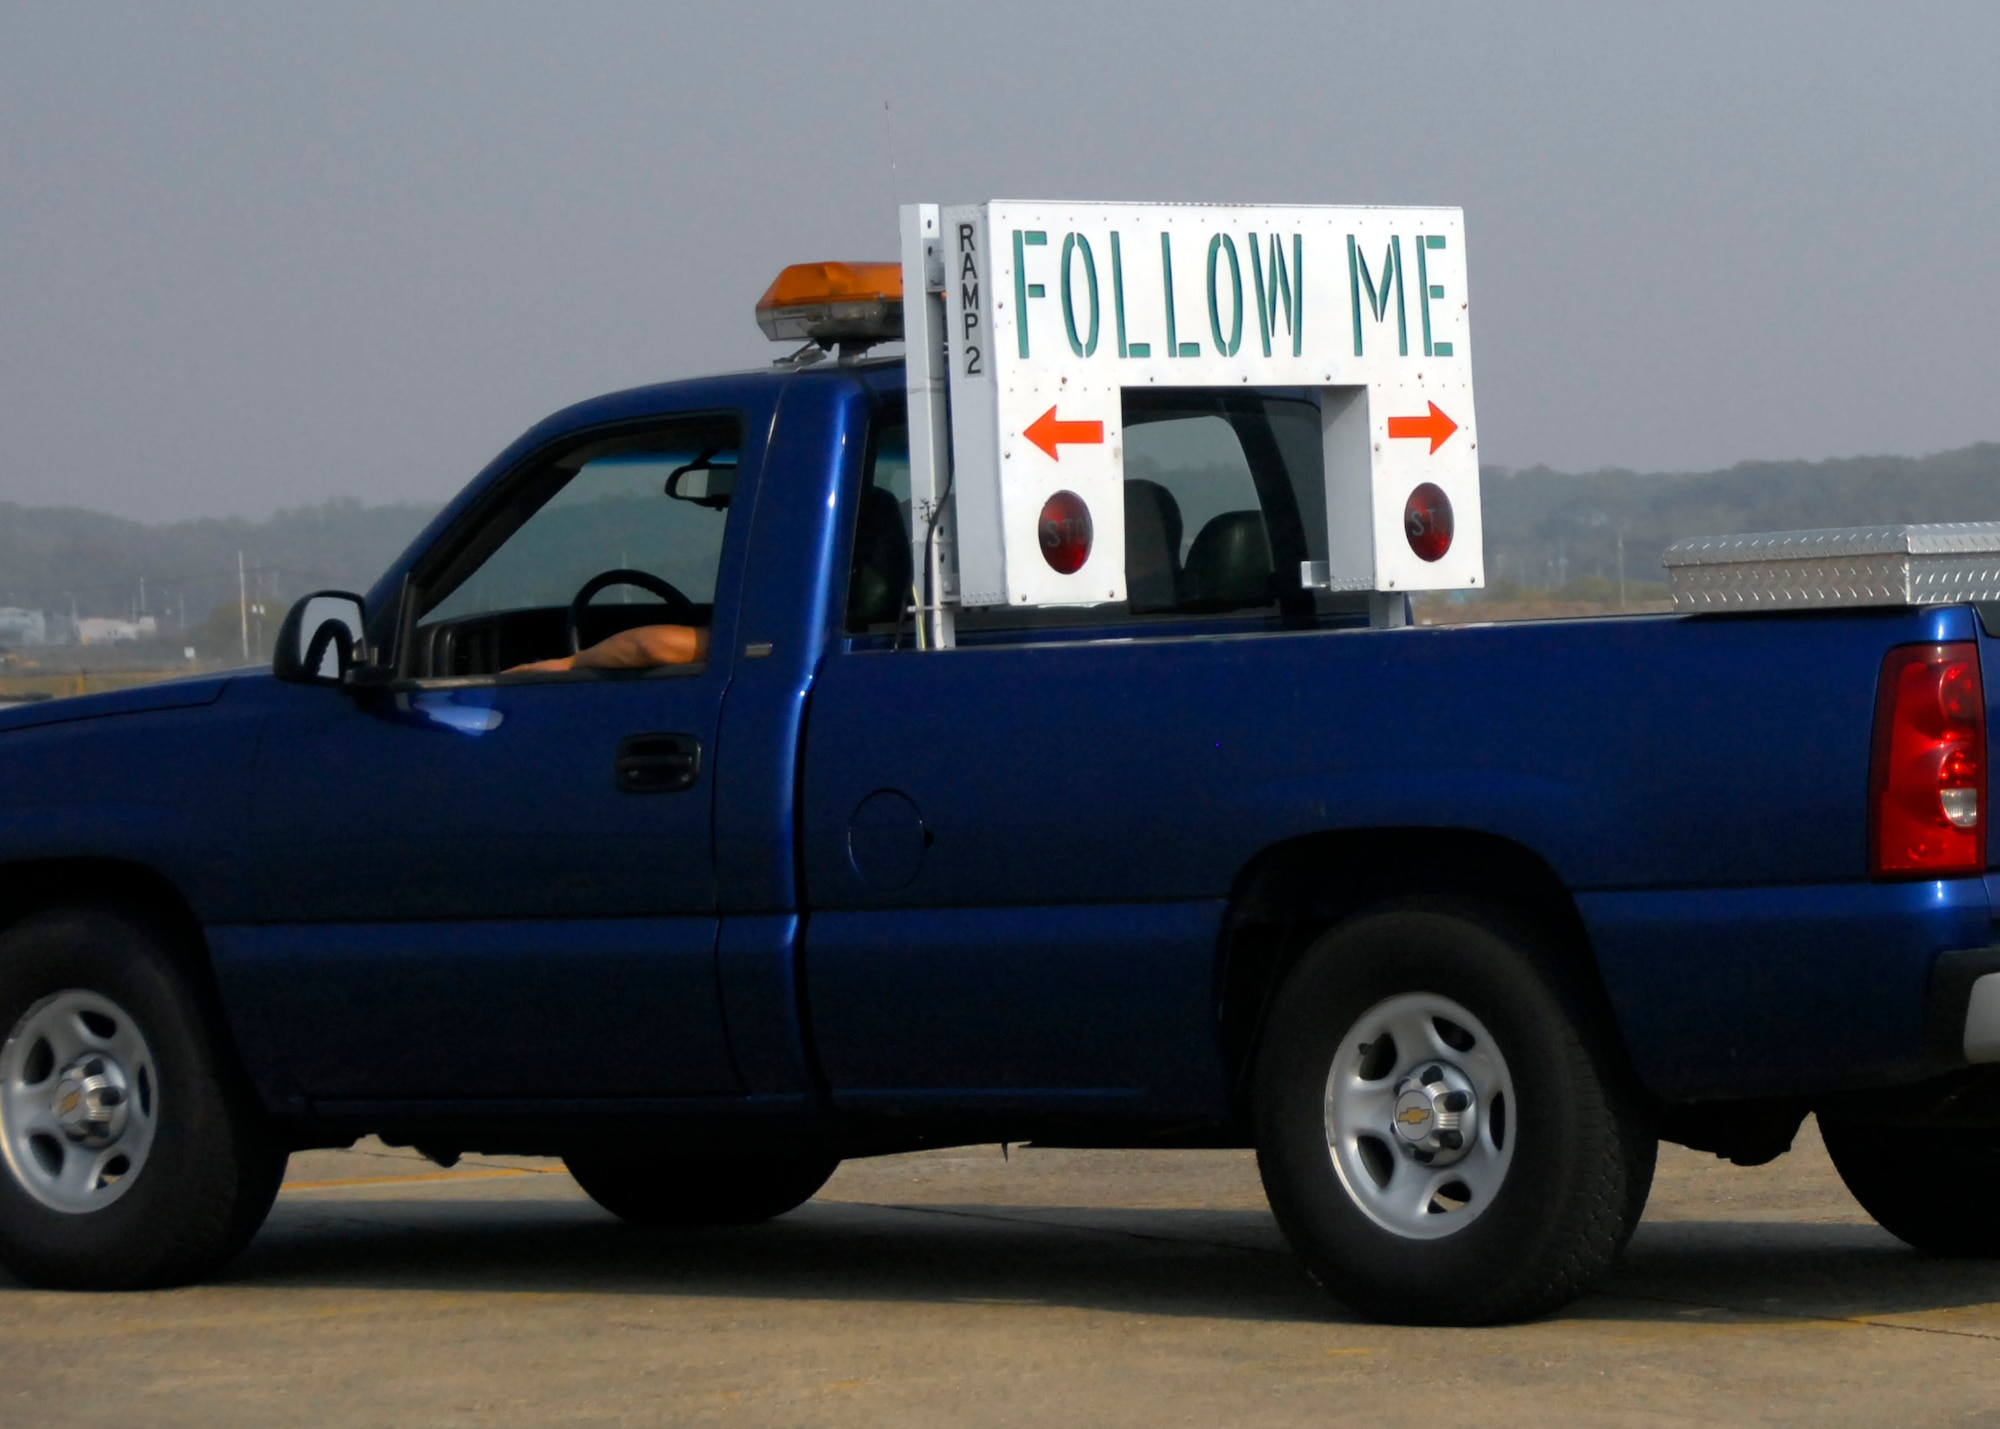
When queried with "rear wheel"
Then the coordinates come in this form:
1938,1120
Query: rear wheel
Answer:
1928,1187
700,1190
1441,1136
131,1154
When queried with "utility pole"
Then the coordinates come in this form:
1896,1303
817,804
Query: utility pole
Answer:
264,584
1621,570
243,605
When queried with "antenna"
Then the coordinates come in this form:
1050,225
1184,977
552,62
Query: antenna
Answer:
889,139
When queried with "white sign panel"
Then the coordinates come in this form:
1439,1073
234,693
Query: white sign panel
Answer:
1053,310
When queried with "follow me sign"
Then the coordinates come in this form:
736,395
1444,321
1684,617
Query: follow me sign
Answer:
1053,309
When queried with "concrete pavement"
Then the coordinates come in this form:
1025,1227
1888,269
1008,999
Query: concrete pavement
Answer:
1054,1287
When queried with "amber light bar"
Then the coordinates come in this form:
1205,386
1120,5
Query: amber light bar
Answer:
834,302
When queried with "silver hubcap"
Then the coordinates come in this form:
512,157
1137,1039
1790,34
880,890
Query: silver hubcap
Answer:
1420,1115
79,1101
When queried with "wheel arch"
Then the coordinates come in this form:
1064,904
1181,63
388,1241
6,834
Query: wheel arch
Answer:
1291,892
121,886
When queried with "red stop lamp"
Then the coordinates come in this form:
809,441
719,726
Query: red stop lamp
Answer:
1065,532
1927,776
1427,521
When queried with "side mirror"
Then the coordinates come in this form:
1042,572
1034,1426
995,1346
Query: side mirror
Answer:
320,640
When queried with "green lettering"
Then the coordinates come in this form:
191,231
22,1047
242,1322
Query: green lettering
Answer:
1072,243
1125,349
1175,348
1429,290
1023,290
1223,243
1359,279
1286,298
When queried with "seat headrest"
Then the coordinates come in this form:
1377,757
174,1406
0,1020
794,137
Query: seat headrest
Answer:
1229,564
1152,545
880,579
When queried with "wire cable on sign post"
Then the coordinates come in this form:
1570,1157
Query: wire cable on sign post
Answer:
923,600
931,597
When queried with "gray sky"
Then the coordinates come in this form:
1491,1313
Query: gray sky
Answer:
256,255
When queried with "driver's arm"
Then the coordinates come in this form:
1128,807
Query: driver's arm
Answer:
638,649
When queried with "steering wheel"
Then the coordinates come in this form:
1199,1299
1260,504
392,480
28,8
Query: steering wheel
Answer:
678,605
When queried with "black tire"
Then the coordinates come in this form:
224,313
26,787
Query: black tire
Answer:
211,1169
1550,1220
699,1190
1930,1188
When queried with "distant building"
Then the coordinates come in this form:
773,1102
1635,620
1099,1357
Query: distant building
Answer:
23,627
104,630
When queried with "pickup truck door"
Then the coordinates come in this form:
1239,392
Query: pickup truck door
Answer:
480,884
1014,908
1019,852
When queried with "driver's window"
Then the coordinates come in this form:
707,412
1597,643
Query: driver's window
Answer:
653,505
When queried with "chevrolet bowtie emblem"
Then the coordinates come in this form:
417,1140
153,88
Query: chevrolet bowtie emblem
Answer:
1412,1115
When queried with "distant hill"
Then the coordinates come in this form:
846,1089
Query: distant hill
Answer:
1545,531
61,559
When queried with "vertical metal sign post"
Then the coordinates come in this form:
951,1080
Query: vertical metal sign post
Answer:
931,527
1051,311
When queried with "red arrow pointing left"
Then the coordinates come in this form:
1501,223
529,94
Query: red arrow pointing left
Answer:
1045,432
1437,426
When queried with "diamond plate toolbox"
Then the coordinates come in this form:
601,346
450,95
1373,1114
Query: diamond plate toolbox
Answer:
1942,564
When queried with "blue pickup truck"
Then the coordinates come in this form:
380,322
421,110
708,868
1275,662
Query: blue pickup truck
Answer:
1450,924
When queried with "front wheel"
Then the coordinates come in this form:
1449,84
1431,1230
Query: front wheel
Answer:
131,1154
1930,1188
699,1190
1442,1137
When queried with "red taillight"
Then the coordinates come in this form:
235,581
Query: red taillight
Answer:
1927,781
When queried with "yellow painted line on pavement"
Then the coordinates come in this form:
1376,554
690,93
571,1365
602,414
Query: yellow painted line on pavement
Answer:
479,1175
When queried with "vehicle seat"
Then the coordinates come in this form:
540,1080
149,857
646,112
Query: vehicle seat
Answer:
880,580
1152,546
1229,564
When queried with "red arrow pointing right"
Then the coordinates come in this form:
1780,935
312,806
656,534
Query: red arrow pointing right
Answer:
1437,426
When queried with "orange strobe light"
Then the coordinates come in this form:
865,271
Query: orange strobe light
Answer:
834,302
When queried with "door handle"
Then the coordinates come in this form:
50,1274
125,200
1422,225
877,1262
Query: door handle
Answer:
657,763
